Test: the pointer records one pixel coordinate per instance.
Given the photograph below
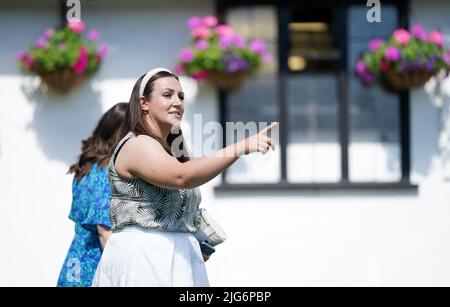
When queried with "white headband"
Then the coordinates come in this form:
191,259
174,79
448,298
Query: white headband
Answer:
148,76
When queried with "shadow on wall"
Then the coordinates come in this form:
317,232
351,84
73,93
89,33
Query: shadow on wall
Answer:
62,121
425,130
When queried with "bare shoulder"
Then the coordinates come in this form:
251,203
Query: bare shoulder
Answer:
143,145
145,158
133,151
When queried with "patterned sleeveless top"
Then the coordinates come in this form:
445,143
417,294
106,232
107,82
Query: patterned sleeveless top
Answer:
140,203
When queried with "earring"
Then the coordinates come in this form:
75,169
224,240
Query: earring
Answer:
145,112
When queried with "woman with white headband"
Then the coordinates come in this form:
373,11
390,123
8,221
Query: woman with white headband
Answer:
155,197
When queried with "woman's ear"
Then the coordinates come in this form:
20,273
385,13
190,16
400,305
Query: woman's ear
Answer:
144,104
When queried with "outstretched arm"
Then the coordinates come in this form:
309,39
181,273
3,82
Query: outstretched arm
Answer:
144,157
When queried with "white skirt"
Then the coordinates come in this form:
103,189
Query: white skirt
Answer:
135,256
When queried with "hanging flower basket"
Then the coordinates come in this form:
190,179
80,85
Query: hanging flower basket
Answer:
63,81
227,81
406,60
394,81
219,55
62,58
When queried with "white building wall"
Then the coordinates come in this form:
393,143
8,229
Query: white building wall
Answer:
274,238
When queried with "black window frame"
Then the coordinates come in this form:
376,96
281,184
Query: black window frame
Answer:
341,6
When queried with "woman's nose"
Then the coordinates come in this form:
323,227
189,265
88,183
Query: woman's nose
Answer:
177,101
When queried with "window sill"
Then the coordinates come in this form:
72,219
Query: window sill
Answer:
341,186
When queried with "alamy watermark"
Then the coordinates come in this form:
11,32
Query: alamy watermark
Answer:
74,11
208,137
374,13
73,270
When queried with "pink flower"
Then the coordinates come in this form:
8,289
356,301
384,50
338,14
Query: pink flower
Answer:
201,44
258,46
267,58
419,32
201,33
49,32
383,65
76,25
222,30
375,44
81,64
392,53
19,55
239,41
194,22
367,79
28,61
209,21
25,58
93,35
447,57
186,55
179,69
200,75
361,68
102,50
437,38
225,41
41,42
402,36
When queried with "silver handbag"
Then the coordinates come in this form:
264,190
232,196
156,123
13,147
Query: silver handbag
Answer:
209,230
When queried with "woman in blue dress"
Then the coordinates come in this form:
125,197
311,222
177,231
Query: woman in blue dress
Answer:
90,201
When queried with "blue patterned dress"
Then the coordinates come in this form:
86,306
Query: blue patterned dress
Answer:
90,207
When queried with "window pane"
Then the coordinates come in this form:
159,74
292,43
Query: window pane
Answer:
313,147
374,152
257,100
313,152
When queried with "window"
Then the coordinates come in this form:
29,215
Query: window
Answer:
333,131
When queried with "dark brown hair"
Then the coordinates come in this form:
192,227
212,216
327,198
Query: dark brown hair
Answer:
135,118
99,146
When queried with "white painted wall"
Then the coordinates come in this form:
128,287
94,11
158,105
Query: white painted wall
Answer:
275,238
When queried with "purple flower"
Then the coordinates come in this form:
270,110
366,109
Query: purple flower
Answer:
361,68
258,46
234,64
194,22
267,57
392,53
41,42
102,50
93,35
447,57
367,79
20,55
225,41
428,66
186,55
201,44
407,65
239,41
419,32
375,44
49,32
